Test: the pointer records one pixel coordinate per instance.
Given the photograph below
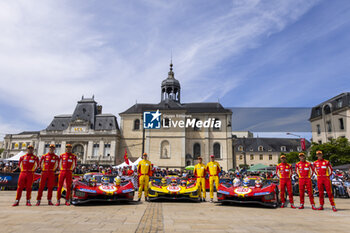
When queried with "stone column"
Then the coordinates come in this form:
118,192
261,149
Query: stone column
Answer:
63,147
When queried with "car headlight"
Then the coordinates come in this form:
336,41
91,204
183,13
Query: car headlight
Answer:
79,193
152,192
269,196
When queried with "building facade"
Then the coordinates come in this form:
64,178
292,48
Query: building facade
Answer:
330,119
93,135
177,147
265,151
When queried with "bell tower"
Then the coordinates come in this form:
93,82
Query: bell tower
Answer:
170,89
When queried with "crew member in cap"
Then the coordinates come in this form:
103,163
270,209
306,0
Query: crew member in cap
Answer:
67,164
213,168
323,170
144,170
28,163
199,172
48,164
305,171
284,172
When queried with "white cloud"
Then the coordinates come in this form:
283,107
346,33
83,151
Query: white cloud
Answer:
53,52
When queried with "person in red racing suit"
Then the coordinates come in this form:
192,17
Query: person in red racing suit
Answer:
67,164
304,170
28,163
284,172
323,170
48,164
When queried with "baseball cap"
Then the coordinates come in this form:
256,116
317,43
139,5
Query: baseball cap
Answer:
319,152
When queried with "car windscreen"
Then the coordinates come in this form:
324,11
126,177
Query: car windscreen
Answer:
88,177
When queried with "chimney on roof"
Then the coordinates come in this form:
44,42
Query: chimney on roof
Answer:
99,109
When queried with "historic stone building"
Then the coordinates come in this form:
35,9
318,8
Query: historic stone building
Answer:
174,146
330,119
93,135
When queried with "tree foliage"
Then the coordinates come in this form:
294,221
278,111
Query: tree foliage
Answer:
337,151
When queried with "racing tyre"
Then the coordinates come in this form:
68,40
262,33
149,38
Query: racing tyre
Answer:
277,202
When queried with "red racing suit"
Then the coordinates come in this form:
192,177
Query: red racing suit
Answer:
28,163
48,164
323,170
284,172
67,164
305,171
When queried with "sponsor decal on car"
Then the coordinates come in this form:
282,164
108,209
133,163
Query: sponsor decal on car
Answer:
107,188
173,188
87,190
261,194
242,190
127,190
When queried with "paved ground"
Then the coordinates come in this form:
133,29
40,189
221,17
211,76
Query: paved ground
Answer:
168,217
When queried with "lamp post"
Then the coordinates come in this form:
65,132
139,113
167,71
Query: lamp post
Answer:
244,153
143,136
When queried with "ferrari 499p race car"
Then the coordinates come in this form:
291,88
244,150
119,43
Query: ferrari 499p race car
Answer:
173,188
100,187
252,189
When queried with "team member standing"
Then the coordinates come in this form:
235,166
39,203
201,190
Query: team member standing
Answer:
48,164
284,172
144,171
305,172
28,163
199,172
67,164
213,168
323,170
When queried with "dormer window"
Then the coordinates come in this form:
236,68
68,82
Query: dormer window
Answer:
260,148
283,148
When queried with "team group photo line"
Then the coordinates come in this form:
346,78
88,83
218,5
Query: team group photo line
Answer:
65,164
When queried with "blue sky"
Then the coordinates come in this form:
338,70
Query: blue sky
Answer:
246,53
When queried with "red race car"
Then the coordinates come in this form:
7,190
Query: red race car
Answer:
251,189
100,187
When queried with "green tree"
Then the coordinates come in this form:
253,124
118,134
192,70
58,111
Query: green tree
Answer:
1,150
337,151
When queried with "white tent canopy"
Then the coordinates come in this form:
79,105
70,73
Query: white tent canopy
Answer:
16,157
132,164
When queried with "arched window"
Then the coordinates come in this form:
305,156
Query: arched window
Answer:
283,148
136,124
196,150
217,150
216,124
195,128
165,150
166,122
240,148
260,148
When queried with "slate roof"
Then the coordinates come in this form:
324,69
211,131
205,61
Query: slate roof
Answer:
206,107
86,111
269,144
338,102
